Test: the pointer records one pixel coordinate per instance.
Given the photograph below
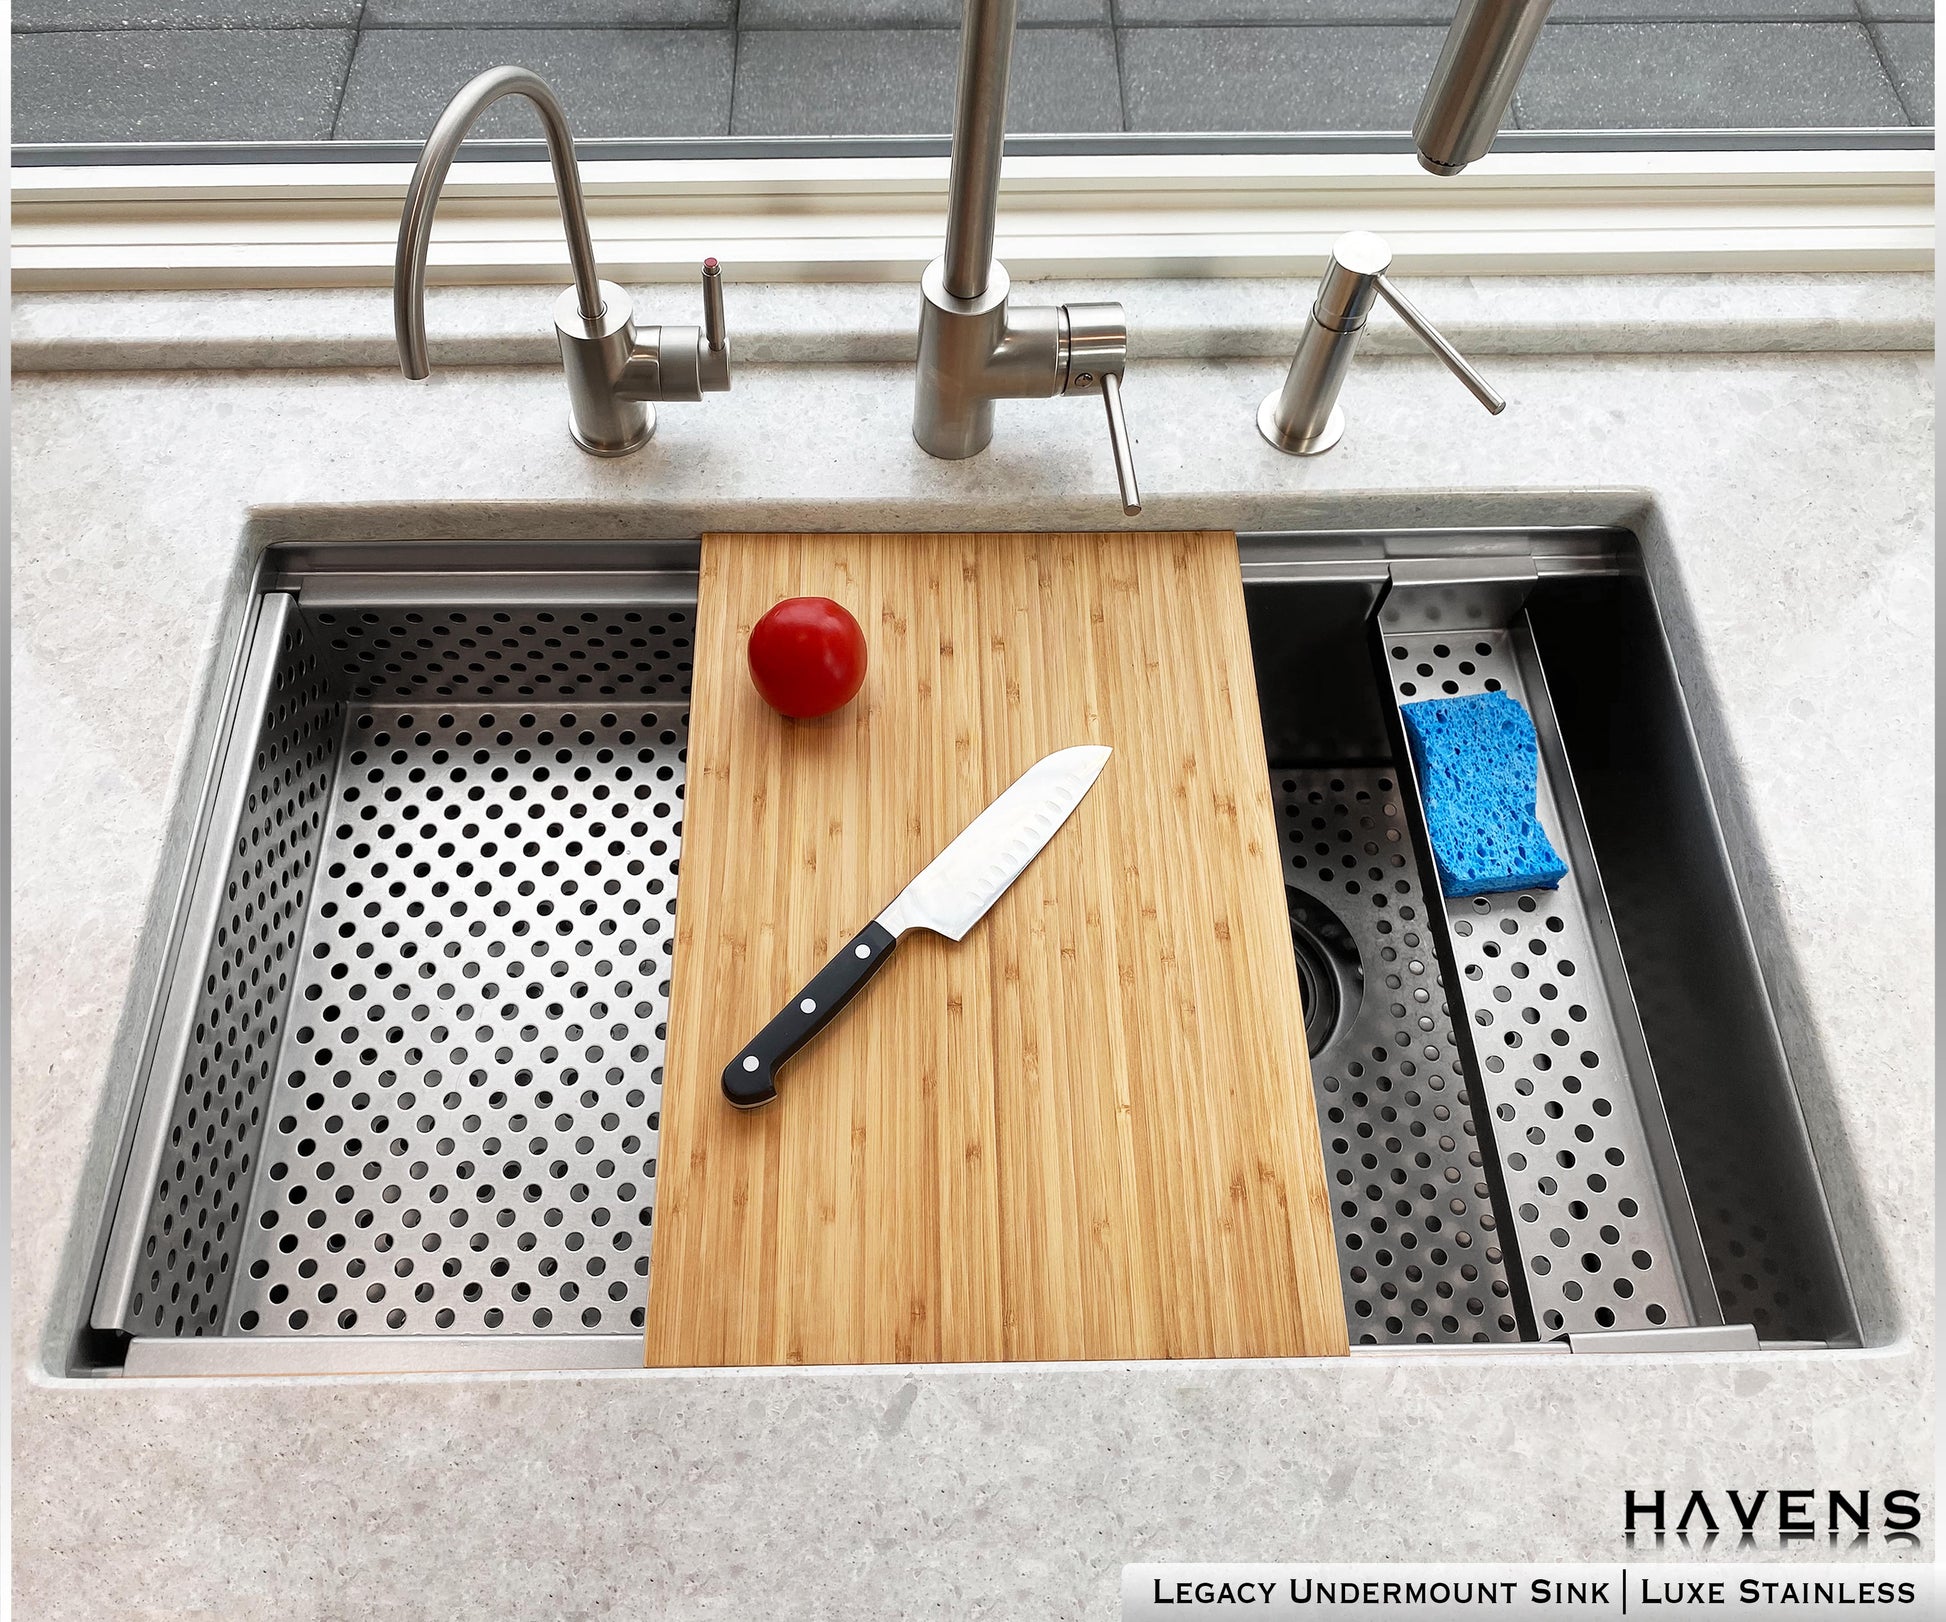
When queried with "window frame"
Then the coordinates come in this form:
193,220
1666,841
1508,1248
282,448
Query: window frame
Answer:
872,209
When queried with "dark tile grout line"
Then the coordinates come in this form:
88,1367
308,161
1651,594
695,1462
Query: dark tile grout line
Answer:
351,59
381,29
394,28
1885,62
1430,20
1121,74
21,32
1434,19
736,69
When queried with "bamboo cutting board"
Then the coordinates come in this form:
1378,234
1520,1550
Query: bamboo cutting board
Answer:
1087,1131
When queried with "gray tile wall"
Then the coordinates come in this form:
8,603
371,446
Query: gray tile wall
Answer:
183,70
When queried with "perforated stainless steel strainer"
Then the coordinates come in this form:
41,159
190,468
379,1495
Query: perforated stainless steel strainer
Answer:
414,1087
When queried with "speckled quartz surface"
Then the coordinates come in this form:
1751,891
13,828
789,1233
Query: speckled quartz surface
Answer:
1786,504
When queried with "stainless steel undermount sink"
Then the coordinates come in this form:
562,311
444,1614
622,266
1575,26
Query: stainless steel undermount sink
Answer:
398,1101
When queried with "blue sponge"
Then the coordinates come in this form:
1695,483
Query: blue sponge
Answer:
1478,763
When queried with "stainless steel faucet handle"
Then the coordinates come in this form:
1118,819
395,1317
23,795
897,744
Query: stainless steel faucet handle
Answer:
680,363
713,351
1111,397
1433,339
1092,345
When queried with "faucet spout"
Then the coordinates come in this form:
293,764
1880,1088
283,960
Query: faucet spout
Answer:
1486,48
979,135
422,197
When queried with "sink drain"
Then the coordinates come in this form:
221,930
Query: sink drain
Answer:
1329,975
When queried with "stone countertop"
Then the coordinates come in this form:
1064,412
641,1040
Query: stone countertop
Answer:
1785,502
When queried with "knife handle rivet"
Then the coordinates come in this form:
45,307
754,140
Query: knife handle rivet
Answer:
864,951
807,1006
750,1063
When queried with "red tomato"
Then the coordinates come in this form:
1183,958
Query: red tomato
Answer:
807,657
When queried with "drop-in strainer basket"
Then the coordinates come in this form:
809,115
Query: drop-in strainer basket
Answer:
407,1078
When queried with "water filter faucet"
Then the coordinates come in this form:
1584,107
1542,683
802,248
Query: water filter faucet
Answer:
613,370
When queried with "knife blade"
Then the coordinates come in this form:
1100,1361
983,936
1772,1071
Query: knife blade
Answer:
951,894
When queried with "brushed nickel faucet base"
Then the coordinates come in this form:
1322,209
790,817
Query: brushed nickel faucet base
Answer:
611,451
594,355
1320,442
973,351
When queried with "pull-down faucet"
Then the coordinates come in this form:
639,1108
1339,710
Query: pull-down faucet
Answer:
1486,48
975,346
612,369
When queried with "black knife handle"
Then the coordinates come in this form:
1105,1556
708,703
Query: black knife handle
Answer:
750,1078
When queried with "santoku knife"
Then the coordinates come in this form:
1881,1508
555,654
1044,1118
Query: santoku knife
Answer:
949,897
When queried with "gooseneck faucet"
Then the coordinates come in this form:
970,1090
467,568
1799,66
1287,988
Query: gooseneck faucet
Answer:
612,369
975,345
